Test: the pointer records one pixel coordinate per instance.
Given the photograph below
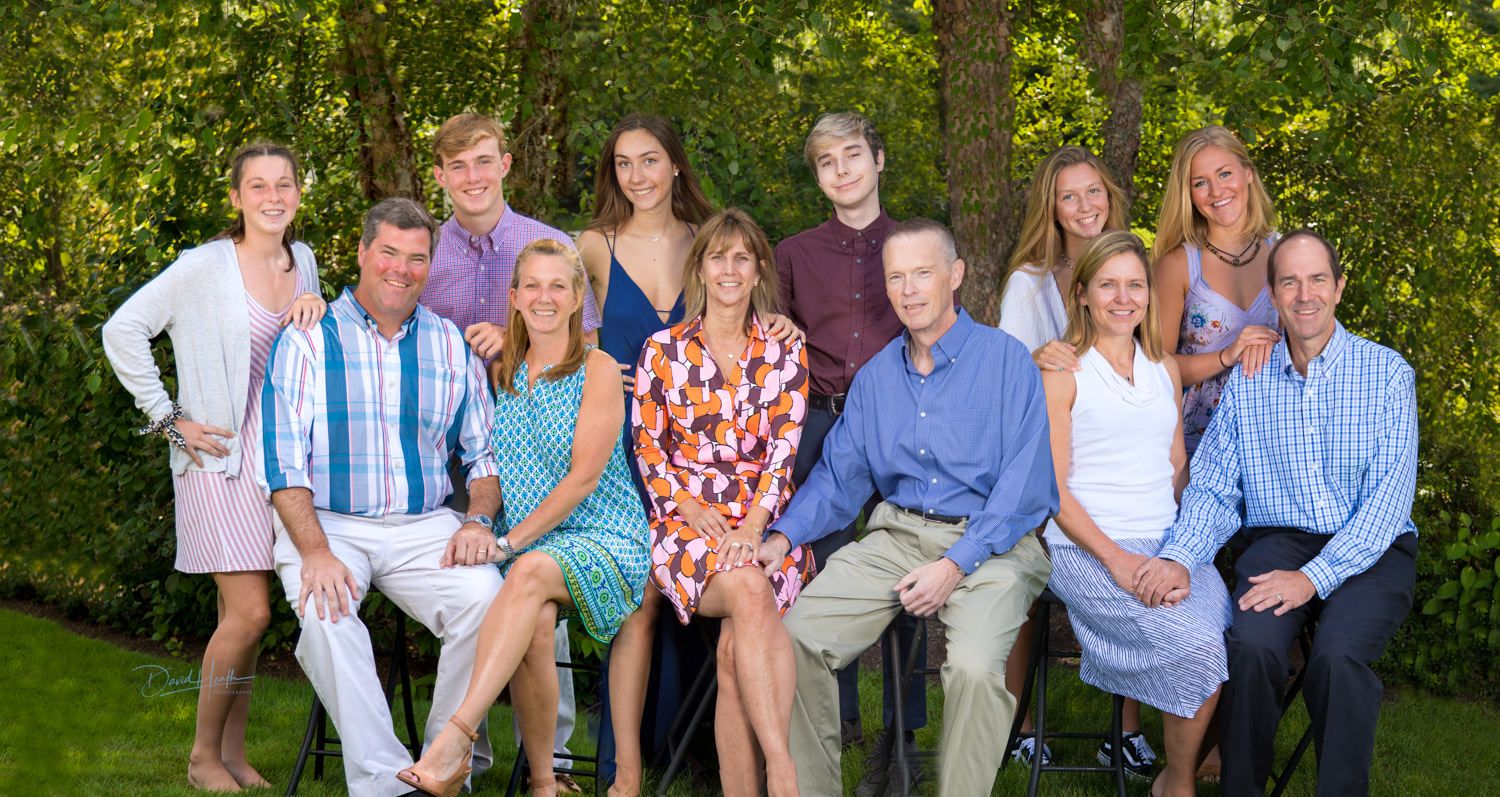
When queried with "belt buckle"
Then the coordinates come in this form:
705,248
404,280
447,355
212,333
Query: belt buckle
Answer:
836,404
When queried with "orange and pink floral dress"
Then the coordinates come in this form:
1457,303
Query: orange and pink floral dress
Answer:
727,440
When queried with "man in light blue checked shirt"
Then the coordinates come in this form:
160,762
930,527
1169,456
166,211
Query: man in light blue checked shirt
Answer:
361,415
1316,458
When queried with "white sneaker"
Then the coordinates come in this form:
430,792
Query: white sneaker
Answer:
1139,757
1025,750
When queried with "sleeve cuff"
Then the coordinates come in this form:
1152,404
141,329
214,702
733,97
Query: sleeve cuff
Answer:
968,555
1324,580
288,479
1179,554
482,469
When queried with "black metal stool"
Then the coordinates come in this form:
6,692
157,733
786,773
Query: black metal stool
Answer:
1036,673
522,767
316,740
1284,777
695,704
907,667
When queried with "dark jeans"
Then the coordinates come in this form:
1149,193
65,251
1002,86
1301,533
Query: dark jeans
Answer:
914,713
1340,689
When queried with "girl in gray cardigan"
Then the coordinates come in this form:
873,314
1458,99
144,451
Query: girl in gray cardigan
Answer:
223,304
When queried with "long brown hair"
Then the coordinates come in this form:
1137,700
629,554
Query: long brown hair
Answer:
261,149
718,234
1041,239
612,208
518,340
1081,332
1179,221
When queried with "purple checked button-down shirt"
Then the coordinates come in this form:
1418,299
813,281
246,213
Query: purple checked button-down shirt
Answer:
470,278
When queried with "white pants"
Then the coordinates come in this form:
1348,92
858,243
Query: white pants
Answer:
398,555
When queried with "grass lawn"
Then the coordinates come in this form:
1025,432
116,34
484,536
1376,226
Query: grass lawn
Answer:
76,722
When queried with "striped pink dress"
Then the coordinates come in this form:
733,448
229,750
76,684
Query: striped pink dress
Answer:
224,523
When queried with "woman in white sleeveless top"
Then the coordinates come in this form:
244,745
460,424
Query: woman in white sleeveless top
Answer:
1117,448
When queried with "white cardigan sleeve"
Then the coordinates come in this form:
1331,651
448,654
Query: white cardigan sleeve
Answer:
128,334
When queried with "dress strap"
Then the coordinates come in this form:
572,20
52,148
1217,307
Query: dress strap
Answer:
609,241
1195,263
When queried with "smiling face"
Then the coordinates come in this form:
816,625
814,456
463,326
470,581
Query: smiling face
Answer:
267,195
473,179
643,169
545,294
1117,296
1081,203
848,172
1306,293
1219,185
729,274
393,271
920,280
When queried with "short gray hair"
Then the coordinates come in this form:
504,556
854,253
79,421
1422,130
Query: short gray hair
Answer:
919,226
403,214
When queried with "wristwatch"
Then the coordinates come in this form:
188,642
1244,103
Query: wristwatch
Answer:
483,520
503,545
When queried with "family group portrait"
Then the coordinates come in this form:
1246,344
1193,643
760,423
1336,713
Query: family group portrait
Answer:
766,397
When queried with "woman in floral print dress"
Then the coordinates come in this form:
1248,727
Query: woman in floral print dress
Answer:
718,415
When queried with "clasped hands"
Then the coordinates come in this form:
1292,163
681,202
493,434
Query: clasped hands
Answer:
737,542
1163,582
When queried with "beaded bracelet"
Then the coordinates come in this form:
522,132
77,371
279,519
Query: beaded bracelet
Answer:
167,427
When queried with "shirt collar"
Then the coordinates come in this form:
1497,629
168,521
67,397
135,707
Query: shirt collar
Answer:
948,346
1332,351
351,310
874,233
695,328
455,232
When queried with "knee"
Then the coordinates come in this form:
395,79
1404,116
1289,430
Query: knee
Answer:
748,591
528,578
972,671
253,619
1256,655
1333,659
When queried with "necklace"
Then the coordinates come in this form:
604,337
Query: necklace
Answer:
1253,248
657,237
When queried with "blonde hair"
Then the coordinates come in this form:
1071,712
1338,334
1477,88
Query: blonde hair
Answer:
1180,222
717,234
462,132
518,339
1041,239
1081,332
836,126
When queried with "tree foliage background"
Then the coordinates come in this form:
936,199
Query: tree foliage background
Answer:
1376,122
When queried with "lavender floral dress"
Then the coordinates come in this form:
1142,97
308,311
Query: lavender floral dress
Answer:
1210,323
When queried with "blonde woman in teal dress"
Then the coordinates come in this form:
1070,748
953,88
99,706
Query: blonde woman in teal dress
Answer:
573,541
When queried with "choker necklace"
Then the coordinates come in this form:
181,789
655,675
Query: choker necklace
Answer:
1253,248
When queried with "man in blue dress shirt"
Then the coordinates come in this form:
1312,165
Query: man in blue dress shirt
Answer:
1317,459
949,424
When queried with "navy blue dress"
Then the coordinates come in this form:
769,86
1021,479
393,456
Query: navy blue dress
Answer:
628,319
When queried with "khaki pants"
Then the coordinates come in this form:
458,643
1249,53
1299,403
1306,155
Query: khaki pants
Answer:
845,609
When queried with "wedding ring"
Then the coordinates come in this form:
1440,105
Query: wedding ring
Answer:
1280,599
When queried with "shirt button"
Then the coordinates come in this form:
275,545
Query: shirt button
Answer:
481,301
923,380
843,243
934,481
921,451
859,260
856,334
924,415
851,365
856,296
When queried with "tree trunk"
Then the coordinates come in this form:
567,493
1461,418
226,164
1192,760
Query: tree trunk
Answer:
542,168
1103,44
978,110
387,160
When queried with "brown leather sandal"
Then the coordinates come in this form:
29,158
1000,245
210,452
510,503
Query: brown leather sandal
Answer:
453,785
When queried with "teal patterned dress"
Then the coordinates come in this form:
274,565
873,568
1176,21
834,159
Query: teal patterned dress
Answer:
603,547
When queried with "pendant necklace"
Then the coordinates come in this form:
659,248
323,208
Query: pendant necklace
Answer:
1252,248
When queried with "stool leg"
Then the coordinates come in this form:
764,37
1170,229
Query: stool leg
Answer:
1117,733
1044,654
314,721
679,752
517,771
898,688
1023,700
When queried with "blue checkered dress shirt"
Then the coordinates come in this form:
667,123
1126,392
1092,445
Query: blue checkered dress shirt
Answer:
1331,453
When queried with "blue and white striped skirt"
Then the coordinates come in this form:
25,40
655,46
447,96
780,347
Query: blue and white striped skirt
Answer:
1172,659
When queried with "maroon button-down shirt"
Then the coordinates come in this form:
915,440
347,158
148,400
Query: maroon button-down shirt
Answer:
833,286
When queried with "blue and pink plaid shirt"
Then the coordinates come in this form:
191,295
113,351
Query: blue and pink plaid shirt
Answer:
470,277
368,423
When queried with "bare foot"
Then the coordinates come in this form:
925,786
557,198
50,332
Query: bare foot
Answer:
211,776
246,776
